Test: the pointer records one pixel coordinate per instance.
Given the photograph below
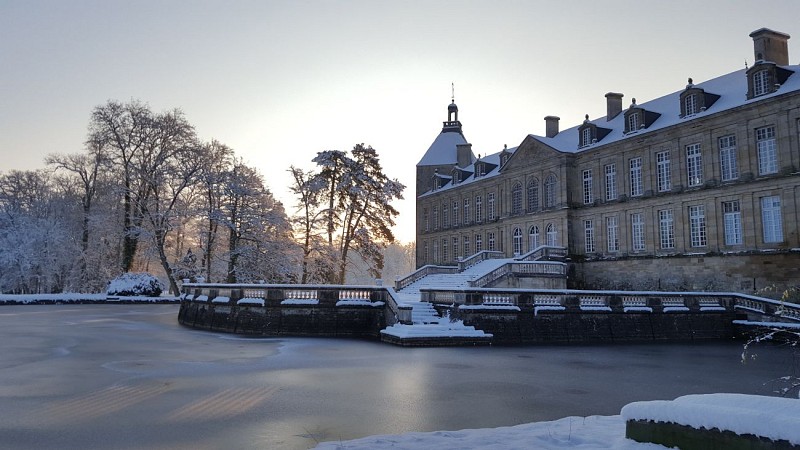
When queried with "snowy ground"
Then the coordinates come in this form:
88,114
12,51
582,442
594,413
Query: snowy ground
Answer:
593,432
771,417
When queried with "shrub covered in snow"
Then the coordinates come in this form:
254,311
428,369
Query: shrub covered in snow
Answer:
135,284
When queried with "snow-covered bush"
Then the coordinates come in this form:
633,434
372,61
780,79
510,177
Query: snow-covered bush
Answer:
135,284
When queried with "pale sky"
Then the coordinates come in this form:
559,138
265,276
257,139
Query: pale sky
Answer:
279,81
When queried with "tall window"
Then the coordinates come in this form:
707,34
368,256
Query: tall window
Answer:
697,225
455,213
633,122
533,238
492,241
694,165
435,251
666,228
767,153
491,205
588,236
732,218
445,216
466,246
727,158
533,195
517,241
637,232
761,83
478,209
550,191
466,212
552,235
636,176
612,235
426,219
425,253
611,181
664,173
444,250
516,199
478,243
771,219
455,248
435,221
588,196
690,104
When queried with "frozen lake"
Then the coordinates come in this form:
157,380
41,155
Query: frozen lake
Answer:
129,377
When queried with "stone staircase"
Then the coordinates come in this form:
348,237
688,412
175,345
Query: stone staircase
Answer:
454,280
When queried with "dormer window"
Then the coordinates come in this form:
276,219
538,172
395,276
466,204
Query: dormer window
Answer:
586,136
695,100
480,169
765,78
638,118
589,133
761,83
690,104
633,121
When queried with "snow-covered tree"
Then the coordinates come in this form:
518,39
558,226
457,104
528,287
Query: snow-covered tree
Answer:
259,234
355,199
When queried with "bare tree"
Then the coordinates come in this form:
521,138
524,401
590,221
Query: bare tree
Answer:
83,169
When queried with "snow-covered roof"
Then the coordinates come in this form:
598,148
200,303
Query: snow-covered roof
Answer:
732,89
493,159
443,149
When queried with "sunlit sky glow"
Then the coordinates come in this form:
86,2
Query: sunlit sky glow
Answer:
280,81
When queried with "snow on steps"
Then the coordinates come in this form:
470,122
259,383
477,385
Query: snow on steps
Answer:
455,280
430,330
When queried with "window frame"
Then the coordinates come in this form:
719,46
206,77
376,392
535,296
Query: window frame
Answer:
588,192
732,223
663,171
698,236
635,175
767,150
612,234
694,165
728,158
771,219
666,229
611,181
588,236
638,243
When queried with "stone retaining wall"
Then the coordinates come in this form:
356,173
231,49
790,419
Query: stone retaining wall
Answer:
526,327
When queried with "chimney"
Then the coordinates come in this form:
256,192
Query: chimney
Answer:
771,45
551,126
613,105
464,155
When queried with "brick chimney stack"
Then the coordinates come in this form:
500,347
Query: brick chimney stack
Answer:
769,45
551,126
613,105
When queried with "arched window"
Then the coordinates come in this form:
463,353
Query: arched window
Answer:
552,235
517,241
533,238
550,191
516,199
533,195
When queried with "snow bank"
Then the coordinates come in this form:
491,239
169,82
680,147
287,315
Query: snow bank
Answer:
775,418
135,284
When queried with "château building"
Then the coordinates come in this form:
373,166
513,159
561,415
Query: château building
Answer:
697,189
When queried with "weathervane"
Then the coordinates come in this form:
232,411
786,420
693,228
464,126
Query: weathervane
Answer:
453,92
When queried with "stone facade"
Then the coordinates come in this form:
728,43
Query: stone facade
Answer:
699,190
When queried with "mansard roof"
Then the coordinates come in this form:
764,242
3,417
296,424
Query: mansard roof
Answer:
731,88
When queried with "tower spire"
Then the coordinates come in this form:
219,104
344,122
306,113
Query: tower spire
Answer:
453,92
